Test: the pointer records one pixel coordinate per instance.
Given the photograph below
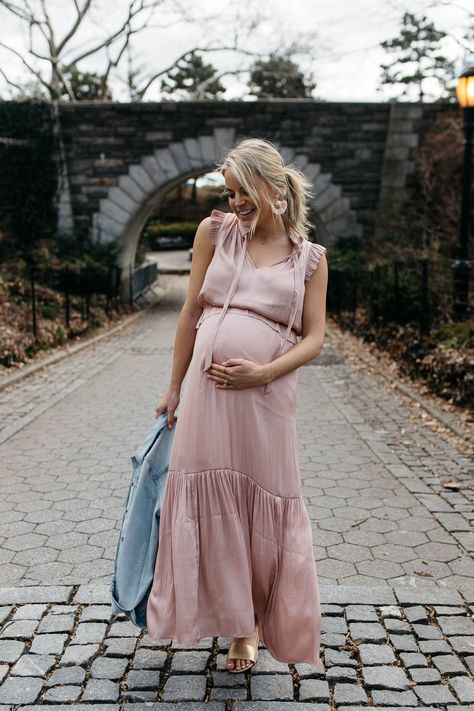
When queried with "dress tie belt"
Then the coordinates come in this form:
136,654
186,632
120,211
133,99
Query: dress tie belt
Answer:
210,310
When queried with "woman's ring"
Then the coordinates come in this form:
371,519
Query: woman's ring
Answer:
226,382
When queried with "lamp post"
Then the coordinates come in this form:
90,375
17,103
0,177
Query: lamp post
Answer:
465,95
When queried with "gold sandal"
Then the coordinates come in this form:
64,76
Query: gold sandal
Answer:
238,649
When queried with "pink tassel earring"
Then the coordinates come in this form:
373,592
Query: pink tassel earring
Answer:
279,207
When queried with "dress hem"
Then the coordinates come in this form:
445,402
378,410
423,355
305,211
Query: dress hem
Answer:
212,635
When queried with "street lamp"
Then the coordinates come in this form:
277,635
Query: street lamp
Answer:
465,94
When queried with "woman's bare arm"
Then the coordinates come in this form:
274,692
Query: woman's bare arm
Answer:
203,252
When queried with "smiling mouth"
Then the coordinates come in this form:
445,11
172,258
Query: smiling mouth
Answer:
245,213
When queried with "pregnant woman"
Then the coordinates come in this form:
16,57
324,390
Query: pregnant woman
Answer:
235,555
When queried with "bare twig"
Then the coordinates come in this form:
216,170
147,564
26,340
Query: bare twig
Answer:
141,92
202,86
27,65
117,34
64,51
10,82
81,13
15,10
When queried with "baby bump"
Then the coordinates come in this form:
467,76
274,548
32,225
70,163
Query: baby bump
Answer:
239,336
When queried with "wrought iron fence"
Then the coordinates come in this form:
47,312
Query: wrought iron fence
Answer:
70,282
142,279
415,291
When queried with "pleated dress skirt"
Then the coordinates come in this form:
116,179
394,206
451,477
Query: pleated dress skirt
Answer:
235,536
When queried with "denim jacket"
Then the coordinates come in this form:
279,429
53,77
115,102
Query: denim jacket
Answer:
138,541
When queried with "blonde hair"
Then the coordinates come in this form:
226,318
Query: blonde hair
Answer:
258,157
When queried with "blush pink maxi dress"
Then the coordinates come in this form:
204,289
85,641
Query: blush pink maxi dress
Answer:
235,536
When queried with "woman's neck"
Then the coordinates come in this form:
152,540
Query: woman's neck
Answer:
271,231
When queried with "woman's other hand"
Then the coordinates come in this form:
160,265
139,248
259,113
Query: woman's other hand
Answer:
168,403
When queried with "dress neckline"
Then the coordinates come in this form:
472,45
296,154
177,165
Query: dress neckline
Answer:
296,238
267,266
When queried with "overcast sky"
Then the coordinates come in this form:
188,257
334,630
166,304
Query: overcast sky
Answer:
345,37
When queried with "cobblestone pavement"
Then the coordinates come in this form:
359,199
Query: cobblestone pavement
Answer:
382,647
393,545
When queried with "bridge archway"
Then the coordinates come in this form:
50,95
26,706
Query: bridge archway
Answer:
123,213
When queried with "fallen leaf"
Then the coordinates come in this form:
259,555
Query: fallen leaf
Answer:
455,485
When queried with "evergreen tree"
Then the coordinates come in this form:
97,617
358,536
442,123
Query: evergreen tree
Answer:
418,58
87,86
193,79
278,77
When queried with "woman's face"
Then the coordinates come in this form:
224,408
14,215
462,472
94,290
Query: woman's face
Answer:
241,203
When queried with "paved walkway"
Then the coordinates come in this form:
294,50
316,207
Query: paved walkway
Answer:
393,545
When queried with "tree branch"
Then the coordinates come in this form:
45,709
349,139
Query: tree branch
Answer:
15,10
81,13
9,81
114,62
141,92
49,25
65,52
108,41
202,86
28,66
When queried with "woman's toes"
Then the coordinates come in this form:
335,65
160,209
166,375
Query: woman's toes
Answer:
238,664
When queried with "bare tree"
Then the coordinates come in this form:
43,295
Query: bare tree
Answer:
51,58
56,47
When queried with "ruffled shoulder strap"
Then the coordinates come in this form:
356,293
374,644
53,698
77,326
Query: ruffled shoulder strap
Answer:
315,252
218,219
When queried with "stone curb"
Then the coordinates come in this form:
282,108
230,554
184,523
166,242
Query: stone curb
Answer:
91,594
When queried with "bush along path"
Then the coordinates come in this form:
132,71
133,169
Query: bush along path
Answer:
56,292
443,361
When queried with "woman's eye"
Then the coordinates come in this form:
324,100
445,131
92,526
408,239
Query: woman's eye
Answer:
227,195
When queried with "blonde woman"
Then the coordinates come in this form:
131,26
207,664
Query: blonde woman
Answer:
235,555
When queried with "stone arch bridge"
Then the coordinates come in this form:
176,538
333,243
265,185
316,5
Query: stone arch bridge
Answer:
120,159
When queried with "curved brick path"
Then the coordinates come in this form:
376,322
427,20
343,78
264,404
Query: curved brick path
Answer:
393,547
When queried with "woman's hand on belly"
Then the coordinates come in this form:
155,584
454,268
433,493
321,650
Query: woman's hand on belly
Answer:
240,374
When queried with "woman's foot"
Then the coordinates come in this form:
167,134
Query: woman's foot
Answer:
243,652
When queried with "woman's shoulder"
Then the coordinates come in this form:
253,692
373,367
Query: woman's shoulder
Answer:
221,216
315,247
314,251
218,219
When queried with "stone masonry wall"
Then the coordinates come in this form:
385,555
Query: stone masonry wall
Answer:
366,148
